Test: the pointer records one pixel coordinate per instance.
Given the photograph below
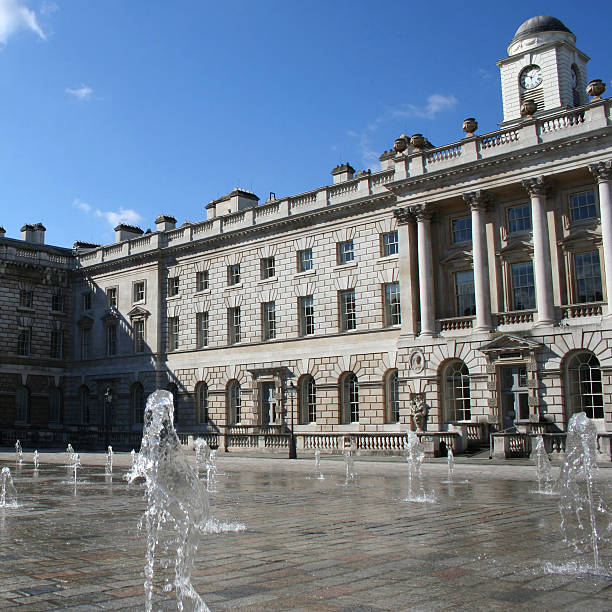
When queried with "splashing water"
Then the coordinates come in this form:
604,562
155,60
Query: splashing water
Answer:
76,464
70,458
8,494
450,460
584,515
350,476
415,458
202,454
211,472
108,468
543,469
35,460
317,468
18,452
177,503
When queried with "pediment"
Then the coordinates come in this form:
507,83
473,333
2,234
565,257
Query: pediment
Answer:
459,255
510,342
137,312
580,237
516,246
110,316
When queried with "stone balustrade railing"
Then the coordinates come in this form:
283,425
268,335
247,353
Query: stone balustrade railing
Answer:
513,317
590,309
456,323
38,256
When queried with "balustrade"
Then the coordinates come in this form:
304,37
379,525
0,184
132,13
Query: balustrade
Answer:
456,323
573,311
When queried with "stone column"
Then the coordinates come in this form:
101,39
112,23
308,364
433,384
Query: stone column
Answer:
407,258
478,201
538,188
423,214
603,173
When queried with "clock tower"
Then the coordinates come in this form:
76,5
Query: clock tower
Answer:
543,65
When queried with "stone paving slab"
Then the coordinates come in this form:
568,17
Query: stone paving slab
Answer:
310,545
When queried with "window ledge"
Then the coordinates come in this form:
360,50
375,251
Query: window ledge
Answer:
203,292
56,313
24,309
345,266
236,286
270,279
139,303
387,258
174,297
304,274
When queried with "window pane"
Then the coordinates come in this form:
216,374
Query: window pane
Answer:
392,306
464,293
582,206
306,315
345,252
588,277
457,392
462,229
523,287
390,245
519,218
305,261
348,318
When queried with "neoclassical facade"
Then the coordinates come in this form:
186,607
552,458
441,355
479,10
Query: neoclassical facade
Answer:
474,275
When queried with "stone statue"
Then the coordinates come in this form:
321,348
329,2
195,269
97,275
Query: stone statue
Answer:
420,413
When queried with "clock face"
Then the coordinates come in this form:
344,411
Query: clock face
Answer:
531,77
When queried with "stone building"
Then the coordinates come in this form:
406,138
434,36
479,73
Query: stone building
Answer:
473,275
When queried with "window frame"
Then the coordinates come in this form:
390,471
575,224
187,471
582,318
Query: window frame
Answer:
593,204
514,288
202,281
389,247
456,404
173,332
139,287
24,341
233,275
26,299
56,344
349,399
234,325
459,297
267,268
268,320
305,260
461,231
306,315
347,310
174,286
580,388
509,221
112,297
392,310
138,338
345,252
576,279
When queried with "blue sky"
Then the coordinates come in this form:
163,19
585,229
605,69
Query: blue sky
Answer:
120,110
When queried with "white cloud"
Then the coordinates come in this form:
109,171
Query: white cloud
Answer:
435,104
15,16
48,8
82,93
113,217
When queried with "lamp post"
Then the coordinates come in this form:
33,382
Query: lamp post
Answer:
292,449
108,409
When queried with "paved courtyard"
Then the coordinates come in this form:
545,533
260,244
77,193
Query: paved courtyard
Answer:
310,545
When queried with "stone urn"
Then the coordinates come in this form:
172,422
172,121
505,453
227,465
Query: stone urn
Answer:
470,125
400,144
528,108
595,88
418,141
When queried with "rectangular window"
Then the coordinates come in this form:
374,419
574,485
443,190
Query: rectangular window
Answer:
268,321
304,260
202,329
173,333
57,302
582,206
306,315
267,268
519,218
391,300
346,305
233,274
57,344
462,229
86,300
111,297
588,277
26,298
138,328
24,341
85,342
202,280
111,340
523,287
233,325
345,252
173,286
389,244
465,298
138,290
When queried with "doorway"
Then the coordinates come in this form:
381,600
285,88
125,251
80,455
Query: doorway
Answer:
514,395
268,403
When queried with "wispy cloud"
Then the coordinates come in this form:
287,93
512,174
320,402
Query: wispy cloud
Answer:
82,93
113,217
48,8
434,105
15,16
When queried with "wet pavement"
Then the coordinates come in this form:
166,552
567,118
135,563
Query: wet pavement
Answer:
309,545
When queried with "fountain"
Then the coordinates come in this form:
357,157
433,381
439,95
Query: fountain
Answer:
18,452
584,515
70,458
350,476
450,460
177,503
76,464
202,454
317,468
35,460
108,468
8,494
211,472
543,469
415,458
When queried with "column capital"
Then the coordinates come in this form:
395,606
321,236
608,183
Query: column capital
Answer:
537,186
602,171
422,212
478,199
403,215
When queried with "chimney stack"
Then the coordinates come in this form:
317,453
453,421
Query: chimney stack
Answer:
125,232
342,173
2,232
165,222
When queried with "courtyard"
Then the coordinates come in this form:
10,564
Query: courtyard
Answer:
490,543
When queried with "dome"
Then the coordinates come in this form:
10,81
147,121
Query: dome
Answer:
541,23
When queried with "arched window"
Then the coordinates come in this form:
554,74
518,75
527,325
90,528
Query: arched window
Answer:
175,400
585,390
84,405
392,403
201,393
349,398
22,405
56,405
234,403
307,398
456,381
137,403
